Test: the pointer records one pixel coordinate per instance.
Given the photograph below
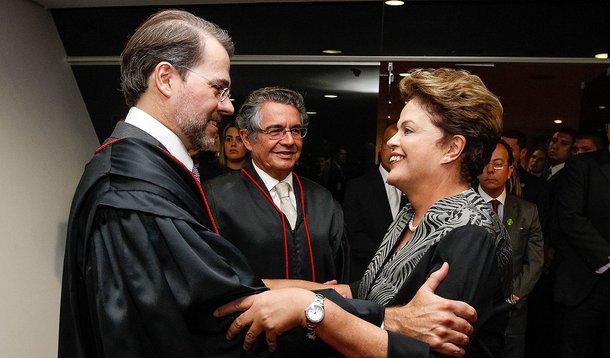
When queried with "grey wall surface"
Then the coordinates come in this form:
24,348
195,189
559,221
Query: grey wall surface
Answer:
46,137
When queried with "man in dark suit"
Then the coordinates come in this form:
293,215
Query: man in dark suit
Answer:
520,218
539,321
582,281
370,206
531,185
292,234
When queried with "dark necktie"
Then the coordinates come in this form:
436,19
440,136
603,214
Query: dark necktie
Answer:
494,205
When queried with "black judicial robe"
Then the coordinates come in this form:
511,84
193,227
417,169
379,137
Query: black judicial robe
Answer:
247,218
142,275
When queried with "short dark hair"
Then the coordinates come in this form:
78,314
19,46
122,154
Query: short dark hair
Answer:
175,36
518,135
249,115
569,131
460,104
594,137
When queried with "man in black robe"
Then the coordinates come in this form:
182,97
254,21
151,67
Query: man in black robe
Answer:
142,273
248,210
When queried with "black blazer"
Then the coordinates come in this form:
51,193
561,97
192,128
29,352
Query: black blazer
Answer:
583,213
367,218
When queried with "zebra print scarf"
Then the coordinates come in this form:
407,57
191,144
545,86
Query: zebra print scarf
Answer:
387,271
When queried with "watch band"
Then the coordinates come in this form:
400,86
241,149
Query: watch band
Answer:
314,314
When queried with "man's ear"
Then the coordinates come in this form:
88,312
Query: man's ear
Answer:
245,138
165,77
454,147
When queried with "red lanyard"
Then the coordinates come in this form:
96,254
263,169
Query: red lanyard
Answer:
313,270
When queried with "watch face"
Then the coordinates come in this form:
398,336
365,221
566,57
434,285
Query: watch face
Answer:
315,313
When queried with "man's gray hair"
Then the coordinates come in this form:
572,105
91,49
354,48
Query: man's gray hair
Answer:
175,36
249,115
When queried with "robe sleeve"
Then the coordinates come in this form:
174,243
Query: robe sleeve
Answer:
153,282
339,244
474,278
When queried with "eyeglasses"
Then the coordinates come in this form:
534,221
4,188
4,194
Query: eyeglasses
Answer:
279,133
497,165
221,93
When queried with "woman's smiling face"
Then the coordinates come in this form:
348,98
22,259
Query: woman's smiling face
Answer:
416,148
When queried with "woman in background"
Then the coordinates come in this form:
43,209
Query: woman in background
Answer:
233,153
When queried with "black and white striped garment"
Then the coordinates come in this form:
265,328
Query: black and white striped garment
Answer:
387,271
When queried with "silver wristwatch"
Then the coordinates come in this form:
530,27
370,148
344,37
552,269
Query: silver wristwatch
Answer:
314,314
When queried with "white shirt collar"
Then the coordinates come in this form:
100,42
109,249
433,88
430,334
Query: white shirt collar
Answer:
271,182
384,174
556,168
501,198
156,129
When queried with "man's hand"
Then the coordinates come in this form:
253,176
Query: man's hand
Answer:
273,312
443,324
343,290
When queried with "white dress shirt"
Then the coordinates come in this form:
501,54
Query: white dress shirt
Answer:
555,168
138,118
394,195
271,182
501,198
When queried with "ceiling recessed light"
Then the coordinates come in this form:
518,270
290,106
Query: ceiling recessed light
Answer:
404,74
330,96
558,121
389,102
332,52
602,107
310,113
602,55
231,99
394,2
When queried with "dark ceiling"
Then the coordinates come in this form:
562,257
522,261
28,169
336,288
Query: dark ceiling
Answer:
559,41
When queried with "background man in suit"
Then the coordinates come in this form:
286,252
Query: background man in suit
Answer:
540,326
582,282
521,220
587,143
531,186
370,206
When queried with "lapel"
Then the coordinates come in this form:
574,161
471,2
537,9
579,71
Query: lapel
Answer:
255,192
512,214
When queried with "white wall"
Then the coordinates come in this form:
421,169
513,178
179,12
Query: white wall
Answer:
46,137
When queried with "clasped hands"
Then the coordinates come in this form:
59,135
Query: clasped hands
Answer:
443,324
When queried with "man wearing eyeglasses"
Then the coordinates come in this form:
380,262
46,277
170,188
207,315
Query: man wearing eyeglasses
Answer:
291,234
520,218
